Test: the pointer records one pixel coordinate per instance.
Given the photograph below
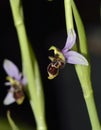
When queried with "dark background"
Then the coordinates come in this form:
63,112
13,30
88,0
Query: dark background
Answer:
45,25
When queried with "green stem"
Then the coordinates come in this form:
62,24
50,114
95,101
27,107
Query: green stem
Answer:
30,67
83,72
11,122
90,103
68,15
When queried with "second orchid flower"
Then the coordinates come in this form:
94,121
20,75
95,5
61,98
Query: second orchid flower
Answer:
17,82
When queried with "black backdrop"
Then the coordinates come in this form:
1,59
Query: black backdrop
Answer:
45,25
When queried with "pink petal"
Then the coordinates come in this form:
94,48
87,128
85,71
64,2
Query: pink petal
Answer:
11,69
24,81
70,40
9,99
75,58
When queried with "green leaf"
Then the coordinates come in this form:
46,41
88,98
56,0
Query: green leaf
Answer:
80,29
82,71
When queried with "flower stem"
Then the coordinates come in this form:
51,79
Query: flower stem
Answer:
90,103
68,15
83,72
11,122
30,66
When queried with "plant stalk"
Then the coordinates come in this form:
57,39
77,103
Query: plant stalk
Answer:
83,72
31,71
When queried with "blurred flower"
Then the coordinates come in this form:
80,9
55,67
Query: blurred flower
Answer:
16,81
64,56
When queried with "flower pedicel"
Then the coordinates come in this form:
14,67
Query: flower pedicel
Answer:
64,56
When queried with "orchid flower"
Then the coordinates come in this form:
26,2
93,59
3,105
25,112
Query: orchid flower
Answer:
17,81
66,55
